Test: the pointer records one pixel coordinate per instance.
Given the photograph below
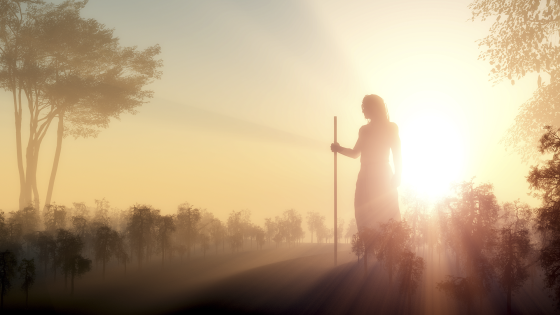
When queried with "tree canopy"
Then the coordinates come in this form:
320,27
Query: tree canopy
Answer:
69,68
524,39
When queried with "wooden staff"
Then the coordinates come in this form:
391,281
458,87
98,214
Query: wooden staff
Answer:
335,201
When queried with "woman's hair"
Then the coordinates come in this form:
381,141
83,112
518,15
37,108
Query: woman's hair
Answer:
377,106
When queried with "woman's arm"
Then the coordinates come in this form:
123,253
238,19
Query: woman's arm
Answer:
352,153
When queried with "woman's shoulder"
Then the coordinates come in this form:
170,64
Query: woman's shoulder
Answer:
363,129
393,127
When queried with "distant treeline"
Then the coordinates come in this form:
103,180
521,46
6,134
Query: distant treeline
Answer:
68,239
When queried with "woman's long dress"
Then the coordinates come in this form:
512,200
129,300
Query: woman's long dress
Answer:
376,198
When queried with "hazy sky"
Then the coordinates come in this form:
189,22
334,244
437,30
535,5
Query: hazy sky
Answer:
243,115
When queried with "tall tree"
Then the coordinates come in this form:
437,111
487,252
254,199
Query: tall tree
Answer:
43,49
26,271
544,180
523,40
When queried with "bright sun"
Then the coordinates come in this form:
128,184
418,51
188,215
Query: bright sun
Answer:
433,149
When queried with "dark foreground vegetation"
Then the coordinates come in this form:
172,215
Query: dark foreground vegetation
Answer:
288,280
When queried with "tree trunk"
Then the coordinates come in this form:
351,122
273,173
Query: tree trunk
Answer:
365,263
509,300
72,284
31,155
59,134
19,150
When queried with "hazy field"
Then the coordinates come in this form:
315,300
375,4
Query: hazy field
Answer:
296,280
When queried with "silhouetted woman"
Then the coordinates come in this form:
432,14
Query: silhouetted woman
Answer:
376,198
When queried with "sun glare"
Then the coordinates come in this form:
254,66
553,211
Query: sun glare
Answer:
433,148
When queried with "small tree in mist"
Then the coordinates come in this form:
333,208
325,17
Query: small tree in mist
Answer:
26,271
204,243
101,213
77,265
512,251
69,246
410,271
79,225
187,220
321,230
217,233
28,218
329,234
43,243
416,214
140,229
260,237
122,255
471,231
8,264
105,245
291,225
54,217
364,244
340,230
392,240
270,228
14,234
313,222
358,246
351,229
463,289
165,227
235,230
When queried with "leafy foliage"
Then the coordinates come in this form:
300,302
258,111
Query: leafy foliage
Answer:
523,39
545,180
